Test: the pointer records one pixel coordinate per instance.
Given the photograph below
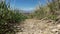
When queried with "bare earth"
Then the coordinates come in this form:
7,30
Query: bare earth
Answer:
33,26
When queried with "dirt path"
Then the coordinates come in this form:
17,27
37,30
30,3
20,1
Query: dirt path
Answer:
33,26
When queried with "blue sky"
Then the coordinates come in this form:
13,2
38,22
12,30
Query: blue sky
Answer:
26,4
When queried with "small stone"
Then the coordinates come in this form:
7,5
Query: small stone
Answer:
54,31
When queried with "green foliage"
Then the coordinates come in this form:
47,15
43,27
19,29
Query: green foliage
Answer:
51,10
39,14
53,17
9,19
54,6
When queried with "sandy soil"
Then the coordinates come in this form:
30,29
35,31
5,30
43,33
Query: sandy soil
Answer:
33,26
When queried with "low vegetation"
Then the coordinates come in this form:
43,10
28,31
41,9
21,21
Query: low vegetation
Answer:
51,10
9,19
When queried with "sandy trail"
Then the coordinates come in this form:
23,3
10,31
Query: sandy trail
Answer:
33,26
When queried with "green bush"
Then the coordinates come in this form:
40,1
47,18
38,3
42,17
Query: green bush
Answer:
53,17
50,10
41,13
9,19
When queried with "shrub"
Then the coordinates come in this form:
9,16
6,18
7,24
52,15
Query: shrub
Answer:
9,19
50,10
53,17
40,13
